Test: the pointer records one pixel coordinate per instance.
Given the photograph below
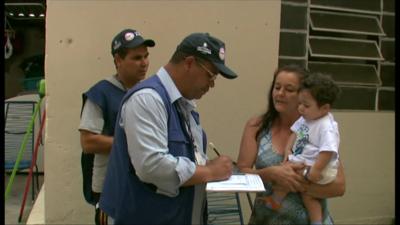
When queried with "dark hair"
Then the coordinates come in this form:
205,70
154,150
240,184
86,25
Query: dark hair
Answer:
271,113
322,87
122,52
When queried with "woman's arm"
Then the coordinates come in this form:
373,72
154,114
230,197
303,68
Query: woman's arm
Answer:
333,189
289,146
284,175
248,146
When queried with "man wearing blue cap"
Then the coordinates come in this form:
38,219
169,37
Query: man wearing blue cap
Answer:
158,167
100,109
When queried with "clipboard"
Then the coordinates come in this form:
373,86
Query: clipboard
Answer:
245,182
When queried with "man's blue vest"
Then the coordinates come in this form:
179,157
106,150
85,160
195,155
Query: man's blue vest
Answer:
108,97
130,201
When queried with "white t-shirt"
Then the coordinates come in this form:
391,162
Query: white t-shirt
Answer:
313,137
92,120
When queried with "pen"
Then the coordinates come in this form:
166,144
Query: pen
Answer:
214,148
216,152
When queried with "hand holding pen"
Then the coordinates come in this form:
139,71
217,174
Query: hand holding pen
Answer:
216,151
235,168
221,167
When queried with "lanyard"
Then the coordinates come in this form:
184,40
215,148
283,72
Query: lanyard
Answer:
186,120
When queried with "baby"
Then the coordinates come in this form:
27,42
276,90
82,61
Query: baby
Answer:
314,141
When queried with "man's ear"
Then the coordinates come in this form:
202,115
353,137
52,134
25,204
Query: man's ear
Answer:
188,62
117,59
190,59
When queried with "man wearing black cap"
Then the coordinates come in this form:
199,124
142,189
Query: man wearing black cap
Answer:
100,109
158,167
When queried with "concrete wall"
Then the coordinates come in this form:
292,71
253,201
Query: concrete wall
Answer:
78,35
367,151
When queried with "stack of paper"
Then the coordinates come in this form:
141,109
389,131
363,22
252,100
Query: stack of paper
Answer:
238,183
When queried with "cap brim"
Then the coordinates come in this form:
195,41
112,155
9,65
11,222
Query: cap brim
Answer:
147,42
225,71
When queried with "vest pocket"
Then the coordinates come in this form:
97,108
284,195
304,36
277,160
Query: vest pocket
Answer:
178,145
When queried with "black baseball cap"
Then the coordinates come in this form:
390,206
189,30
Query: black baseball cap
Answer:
129,38
204,46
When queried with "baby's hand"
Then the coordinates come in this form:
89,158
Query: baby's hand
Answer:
285,158
314,175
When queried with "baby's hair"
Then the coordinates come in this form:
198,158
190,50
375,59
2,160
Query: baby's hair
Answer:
322,87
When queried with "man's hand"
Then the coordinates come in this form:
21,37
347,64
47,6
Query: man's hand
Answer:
220,168
217,169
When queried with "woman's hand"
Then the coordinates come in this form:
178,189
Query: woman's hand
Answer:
285,176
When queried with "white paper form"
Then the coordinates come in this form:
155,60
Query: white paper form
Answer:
238,183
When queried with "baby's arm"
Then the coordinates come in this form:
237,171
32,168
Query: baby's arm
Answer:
323,158
289,146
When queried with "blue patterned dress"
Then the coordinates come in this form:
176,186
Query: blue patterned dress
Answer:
292,210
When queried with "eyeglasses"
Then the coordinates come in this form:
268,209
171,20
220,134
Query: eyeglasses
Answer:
212,75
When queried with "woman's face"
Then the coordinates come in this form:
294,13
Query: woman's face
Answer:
285,92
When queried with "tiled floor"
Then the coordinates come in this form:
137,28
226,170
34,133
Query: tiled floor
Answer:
14,200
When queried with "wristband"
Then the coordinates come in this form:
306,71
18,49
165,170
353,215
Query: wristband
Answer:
306,172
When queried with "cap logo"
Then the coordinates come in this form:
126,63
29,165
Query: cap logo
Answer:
204,49
222,54
129,36
117,44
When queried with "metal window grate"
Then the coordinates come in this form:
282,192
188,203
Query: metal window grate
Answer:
370,6
292,44
339,22
387,72
351,40
342,48
386,99
348,73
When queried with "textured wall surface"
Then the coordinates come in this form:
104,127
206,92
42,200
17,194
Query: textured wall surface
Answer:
78,39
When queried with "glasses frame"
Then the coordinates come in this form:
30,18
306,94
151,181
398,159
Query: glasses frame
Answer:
212,76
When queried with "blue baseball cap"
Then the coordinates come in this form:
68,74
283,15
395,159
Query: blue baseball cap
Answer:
129,38
207,47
